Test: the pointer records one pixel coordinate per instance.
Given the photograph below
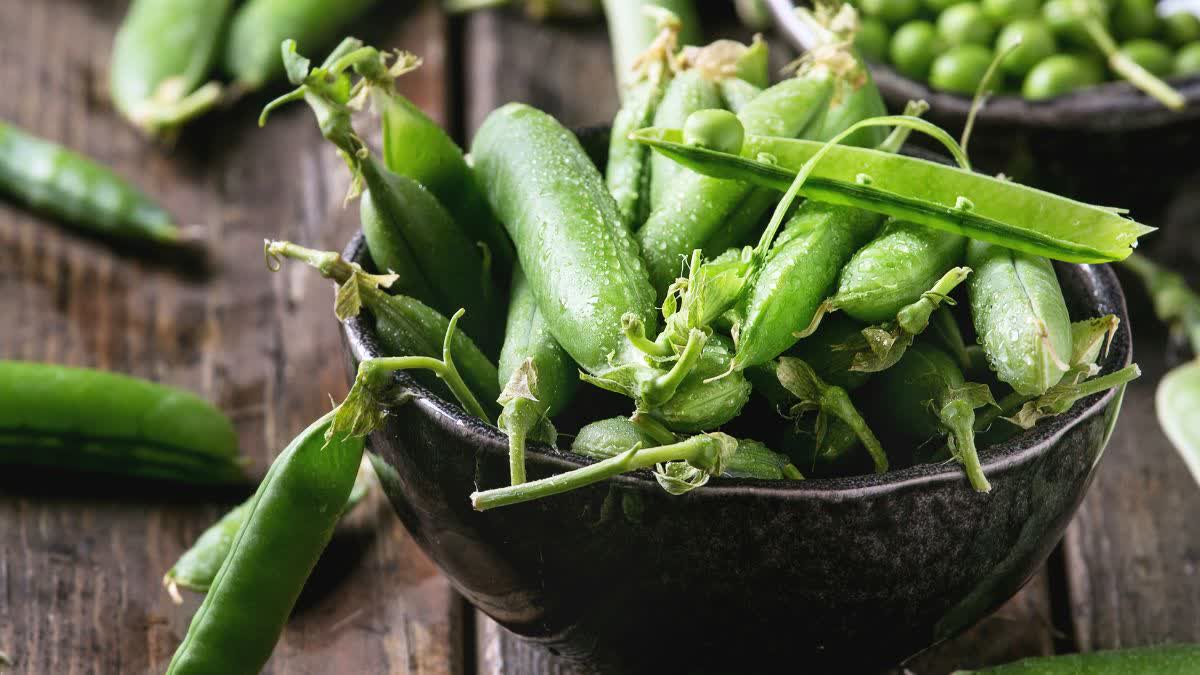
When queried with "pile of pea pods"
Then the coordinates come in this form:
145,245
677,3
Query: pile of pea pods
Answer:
1049,48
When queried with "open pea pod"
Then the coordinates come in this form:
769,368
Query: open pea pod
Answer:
931,194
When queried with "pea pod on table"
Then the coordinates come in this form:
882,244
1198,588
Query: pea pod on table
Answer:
89,420
77,191
289,523
161,59
251,48
198,566
408,232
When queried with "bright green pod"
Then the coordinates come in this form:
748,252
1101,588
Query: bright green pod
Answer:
581,262
631,30
409,233
417,147
161,59
1020,316
73,189
537,376
858,100
258,27
91,420
688,92
894,269
927,193
405,326
1160,660
608,438
700,405
800,272
925,396
704,212
628,172
290,522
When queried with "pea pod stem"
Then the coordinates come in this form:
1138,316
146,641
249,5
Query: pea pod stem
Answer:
812,393
924,192
704,452
900,133
1122,64
362,411
958,417
661,388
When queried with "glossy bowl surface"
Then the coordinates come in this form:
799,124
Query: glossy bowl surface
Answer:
835,575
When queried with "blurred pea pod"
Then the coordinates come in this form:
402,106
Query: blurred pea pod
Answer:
161,58
630,31
1178,396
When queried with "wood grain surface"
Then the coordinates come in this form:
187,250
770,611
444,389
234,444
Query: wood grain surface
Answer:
82,556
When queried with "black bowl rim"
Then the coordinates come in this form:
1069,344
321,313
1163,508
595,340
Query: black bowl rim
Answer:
996,459
1110,106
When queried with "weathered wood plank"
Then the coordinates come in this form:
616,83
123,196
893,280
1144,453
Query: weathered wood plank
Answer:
1133,551
79,581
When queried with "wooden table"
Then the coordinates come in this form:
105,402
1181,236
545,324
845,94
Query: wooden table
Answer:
82,558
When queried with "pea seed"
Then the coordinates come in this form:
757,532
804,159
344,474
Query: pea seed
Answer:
961,69
913,48
1187,60
1004,11
1058,75
1037,43
891,12
714,129
965,24
1149,54
1181,28
1134,19
872,39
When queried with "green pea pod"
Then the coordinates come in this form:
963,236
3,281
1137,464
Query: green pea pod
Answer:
1160,660
89,420
895,269
77,191
631,30
291,519
927,193
1020,316
924,396
537,376
408,231
857,97
711,394
405,326
799,273
608,438
161,59
251,55
702,85
627,172
198,566
701,211
415,146
687,92
808,392
885,344
581,262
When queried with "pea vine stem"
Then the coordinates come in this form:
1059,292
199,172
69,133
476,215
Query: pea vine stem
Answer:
697,450
1128,68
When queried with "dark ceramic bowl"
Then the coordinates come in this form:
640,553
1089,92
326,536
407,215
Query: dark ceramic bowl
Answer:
833,575
1108,144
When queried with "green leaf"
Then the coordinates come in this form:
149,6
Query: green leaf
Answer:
1176,402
